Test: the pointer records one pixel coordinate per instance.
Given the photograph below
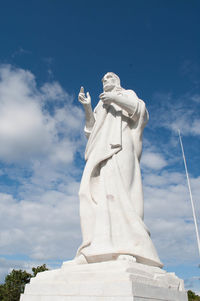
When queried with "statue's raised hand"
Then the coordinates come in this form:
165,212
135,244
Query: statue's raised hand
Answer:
84,99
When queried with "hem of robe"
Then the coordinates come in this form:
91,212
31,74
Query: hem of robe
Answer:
108,256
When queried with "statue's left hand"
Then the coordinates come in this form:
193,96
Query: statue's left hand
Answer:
107,97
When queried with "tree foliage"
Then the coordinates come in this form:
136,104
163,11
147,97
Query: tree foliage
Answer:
15,283
192,296
39,269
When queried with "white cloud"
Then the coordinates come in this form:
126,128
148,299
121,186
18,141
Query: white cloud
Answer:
153,160
37,149
164,179
169,216
24,130
27,129
196,98
8,264
168,212
53,91
41,230
177,113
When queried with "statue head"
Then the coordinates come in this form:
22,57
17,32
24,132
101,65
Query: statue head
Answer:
110,81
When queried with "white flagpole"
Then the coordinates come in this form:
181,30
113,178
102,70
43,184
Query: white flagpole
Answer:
191,198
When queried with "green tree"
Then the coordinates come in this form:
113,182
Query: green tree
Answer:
192,296
2,291
15,283
39,269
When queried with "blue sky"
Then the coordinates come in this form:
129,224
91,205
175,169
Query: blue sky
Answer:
48,50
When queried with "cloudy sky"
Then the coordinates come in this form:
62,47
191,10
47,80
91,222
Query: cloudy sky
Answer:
48,50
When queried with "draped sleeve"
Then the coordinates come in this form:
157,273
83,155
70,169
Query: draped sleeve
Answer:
139,113
89,131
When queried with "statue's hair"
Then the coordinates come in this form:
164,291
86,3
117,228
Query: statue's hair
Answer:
114,75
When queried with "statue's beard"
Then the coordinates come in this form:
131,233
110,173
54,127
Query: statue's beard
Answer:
108,88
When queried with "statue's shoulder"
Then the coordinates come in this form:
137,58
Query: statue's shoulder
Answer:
130,92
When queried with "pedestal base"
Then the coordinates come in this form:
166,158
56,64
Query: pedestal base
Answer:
106,281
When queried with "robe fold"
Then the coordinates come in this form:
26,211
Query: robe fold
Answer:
111,196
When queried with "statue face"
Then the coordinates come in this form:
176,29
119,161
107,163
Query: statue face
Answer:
110,82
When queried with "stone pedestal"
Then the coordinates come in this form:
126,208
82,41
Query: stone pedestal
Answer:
106,281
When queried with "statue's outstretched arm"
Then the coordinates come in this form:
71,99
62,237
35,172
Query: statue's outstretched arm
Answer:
86,102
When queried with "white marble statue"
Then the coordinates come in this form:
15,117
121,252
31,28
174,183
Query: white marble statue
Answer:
111,197
117,260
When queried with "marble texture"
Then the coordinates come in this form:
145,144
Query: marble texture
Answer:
112,280
111,196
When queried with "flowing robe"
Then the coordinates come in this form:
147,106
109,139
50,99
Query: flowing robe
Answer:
111,197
